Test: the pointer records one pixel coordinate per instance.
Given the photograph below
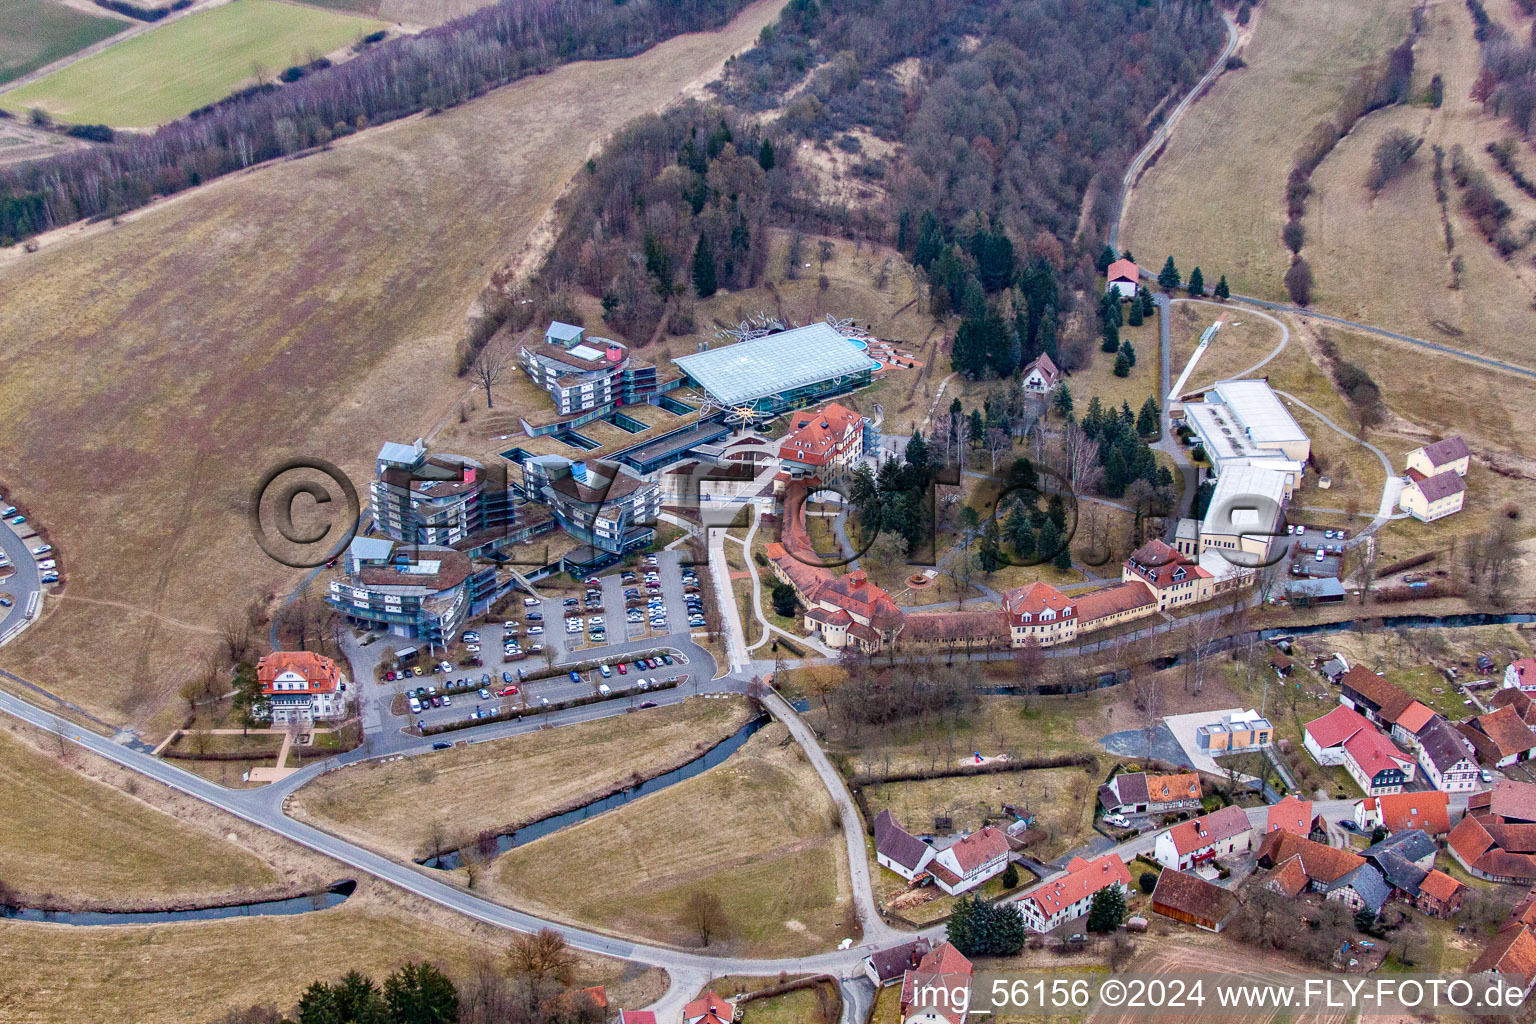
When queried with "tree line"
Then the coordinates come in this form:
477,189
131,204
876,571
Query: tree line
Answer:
432,70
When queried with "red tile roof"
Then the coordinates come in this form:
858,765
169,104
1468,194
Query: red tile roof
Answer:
1514,801
1525,671
1374,753
1322,863
636,1017
1335,727
1440,885
320,673
972,851
1426,810
1476,843
1290,878
815,437
1512,951
709,1009
1083,879
1292,815
1164,788
945,959
1112,600
1209,829
1047,368
1507,730
1034,599
1415,717
1392,699
1122,269
1158,564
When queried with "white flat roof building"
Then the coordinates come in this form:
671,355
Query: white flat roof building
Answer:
1244,423
1246,510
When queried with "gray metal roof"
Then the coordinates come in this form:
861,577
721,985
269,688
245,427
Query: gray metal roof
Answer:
1327,586
771,365
563,331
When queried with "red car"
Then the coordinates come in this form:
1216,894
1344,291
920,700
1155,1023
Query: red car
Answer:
622,670
506,691
592,581
389,677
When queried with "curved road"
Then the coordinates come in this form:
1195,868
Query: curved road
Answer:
1160,136
22,584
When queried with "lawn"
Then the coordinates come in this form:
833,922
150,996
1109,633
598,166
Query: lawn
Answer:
310,307
170,974
1216,196
177,67
397,806
738,831
79,840
38,32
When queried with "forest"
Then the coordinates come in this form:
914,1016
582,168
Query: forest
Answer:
430,71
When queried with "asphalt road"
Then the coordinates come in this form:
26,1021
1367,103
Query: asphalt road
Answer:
23,582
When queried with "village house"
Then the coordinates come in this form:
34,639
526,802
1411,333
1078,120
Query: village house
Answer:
888,966
301,686
1378,700
927,990
1521,675
709,1009
1299,864
1199,840
1511,954
1040,376
826,443
636,1017
970,860
1496,839
1193,900
1501,737
1122,278
1406,860
1410,722
1447,757
1291,815
1066,897
1324,737
898,849
1142,793
1523,703
1342,737
1450,455
1040,614
1174,580
1399,812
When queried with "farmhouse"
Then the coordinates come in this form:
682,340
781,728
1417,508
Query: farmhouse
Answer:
1428,498
1375,764
1379,700
898,849
1193,900
1501,738
1399,812
1511,954
1492,850
1300,864
1194,842
926,989
1040,376
1521,675
1447,757
887,966
1450,455
1141,793
301,686
1407,861
970,861
1524,704
1064,898
1324,737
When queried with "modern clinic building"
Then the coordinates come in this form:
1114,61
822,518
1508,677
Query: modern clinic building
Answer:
782,371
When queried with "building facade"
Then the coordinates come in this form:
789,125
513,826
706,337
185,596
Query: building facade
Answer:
301,686
421,592
604,505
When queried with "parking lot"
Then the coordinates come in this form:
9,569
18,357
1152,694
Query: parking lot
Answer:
1306,544
27,563
596,625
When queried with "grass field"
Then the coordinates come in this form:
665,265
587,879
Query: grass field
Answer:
37,32
1216,196
57,972
383,804
77,840
162,74
741,830
310,307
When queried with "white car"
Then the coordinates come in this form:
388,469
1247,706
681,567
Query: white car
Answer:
1321,554
535,630
42,549
47,563
530,602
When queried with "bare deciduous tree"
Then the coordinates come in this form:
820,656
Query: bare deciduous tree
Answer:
705,915
489,367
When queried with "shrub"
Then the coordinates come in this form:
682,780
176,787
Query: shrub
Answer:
1298,282
1147,882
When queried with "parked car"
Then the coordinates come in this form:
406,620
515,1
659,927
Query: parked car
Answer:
50,577
507,691
1321,554
415,705
622,669
447,700
535,630
484,694
535,616
1487,776
647,704
9,510
506,677
441,745
6,602
530,602
602,688
575,676
18,520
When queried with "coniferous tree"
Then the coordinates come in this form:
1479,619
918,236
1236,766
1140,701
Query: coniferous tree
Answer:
1019,533
1221,291
1063,559
1148,419
1107,910
421,994
1133,316
1122,366
704,269
1056,512
917,454
1063,400
1115,471
1106,257
976,428
1129,351
1148,304
765,155
1111,342
1196,282
1168,277
1047,338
